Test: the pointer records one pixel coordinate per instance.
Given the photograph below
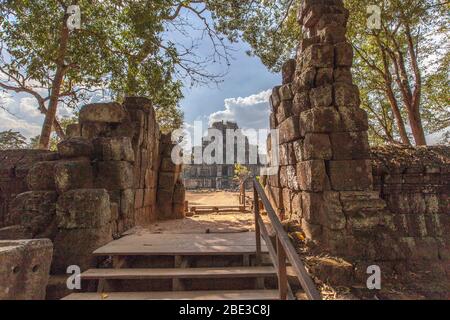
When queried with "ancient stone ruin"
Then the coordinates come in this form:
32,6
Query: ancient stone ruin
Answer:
219,176
387,208
112,173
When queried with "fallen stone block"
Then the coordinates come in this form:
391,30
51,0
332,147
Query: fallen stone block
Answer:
24,269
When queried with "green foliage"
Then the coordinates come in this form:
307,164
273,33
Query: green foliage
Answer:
12,140
241,172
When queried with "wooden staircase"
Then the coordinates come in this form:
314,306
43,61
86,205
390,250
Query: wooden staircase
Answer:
184,250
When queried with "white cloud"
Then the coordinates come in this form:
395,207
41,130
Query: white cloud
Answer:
250,112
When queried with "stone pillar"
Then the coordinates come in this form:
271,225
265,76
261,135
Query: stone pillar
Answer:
325,180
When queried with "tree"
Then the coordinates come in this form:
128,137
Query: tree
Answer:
392,67
123,46
12,140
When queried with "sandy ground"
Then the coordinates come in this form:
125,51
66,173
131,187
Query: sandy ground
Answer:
212,198
224,222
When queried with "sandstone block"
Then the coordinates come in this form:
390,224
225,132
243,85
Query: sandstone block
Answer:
83,209
179,194
75,147
354,119
305,80
332,34
312,176
321,96
343,74
114,175
300,103
167,180
350,145
73,130
103,112
317,146
289,130
24,269
320,120
114,149
76,174
324,77
344,54
287,154
288,71
346,95
16,232
332,20
75,247
35,211
285,92
319,56
284,110
351,175
42,176
275,98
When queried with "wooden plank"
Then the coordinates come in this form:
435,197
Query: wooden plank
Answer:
184,295
297,265
182,244
177,273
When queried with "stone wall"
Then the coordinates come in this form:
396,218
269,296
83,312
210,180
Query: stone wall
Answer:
102,181
325,185
14,167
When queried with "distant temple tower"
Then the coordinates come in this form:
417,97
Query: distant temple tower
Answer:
219,176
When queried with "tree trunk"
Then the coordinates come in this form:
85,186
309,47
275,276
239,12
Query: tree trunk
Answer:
398,116
44,141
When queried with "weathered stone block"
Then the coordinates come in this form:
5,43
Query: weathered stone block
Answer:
306,80
301,103
179,194
343,74
288,178
16,232
288,71
332,34
24,269
284,111
83,209
343,54
319,56
76,174
312,176
350,145
103,112
332,20
114,175
167,180
289,130
351,175
42,176
324,77
73,130
320,120
75,247
321,96
287,154
114,149
346,95
275,98
354,119
35,211
323,209
75,147
317,146
285,92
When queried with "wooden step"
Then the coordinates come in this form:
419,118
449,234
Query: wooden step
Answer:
180,295
182,244
178,273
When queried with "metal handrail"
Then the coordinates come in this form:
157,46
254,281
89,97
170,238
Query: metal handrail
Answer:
284,248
